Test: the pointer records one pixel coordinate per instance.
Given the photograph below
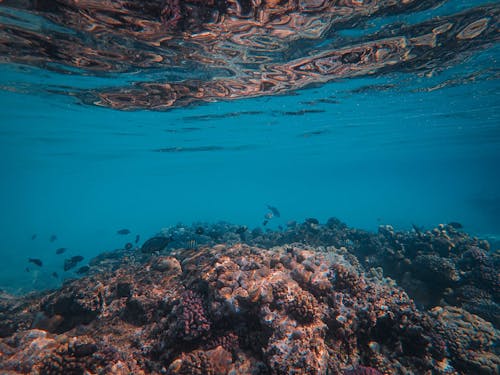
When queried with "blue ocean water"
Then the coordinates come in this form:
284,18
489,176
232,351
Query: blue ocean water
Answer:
399,148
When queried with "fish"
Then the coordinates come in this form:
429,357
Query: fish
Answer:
242,229
264,223
33,236
417,230
36,261
199,230
60,250
83,270
123,231
55,275
53,238
128,246
72,262
268,216
274,210
137,238
27,269
155,244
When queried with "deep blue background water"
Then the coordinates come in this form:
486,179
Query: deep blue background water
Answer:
398,155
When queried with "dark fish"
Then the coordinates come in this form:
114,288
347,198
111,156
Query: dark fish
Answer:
155,244
33,236
27,269
455,225
199,230
36,261
55,275
242,229
417,230
274,210
60,250
128,246
264,223
137,238
53,238
72,262
123,231
83,270
69,264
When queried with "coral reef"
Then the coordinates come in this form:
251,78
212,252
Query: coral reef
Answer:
310,298
242,309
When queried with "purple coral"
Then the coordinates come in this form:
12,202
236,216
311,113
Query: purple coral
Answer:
362,370
193,320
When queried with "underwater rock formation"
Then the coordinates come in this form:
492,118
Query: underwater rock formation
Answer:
242,309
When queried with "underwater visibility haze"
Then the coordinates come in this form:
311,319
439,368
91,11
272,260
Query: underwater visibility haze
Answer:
250,187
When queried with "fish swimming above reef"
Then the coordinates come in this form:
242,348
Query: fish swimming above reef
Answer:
36,261
60,250
274,210
53,238
55,275
137,238
155,244
83,270
242,229
72,262
128,246
123,231
33,236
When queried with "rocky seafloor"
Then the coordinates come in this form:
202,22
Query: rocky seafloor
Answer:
310,298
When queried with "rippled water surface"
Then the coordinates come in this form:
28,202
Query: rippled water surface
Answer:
141,114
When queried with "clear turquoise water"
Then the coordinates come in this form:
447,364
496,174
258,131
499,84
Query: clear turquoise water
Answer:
396,154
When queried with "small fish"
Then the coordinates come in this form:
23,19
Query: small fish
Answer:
128,246
264,223
123,231
60,250
27,269
83,270
199,230
53,238
417,230
155,244
268,216
36,261
55,275
137,238
72,262
274,210
33,236
242,229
